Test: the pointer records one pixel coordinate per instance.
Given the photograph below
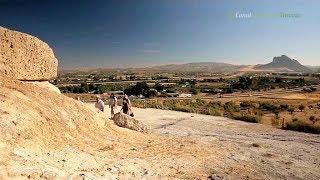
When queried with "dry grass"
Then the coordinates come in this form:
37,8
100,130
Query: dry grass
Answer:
204,106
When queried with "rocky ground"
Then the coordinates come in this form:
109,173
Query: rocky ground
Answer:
48,135
243,149
246,150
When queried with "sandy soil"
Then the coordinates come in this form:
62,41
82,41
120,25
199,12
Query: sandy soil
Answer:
48,135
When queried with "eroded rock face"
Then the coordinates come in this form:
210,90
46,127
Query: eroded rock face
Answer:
25,57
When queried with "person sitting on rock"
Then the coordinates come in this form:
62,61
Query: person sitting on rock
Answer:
113,103
99,104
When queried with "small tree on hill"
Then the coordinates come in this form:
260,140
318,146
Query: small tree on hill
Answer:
158,87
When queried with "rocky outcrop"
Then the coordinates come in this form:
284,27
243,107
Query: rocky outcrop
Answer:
25,57
129,122
284,63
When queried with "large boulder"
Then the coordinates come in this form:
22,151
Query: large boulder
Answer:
25,57
129,122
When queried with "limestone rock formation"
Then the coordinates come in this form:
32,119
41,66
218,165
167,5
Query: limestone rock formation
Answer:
129,122
25,57
284,63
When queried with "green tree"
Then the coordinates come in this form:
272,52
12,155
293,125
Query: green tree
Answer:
141,88
158,87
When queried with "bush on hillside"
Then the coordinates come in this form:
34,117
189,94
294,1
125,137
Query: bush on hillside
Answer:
284,107
302,127
246,104
267,106
231,107
213,112
248,118
301,107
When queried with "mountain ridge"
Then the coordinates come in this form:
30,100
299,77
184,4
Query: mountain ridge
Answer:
279,64
284,63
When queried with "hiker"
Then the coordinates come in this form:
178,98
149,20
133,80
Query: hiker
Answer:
126,106
113,103
99,104
127,98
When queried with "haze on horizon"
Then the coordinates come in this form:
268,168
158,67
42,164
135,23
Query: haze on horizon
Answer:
105,33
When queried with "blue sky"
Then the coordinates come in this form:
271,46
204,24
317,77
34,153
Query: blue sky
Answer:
102,33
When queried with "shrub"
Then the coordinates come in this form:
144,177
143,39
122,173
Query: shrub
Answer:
215,104
194,91
158,86
302,127
302,107
267,106
231,107
284,107
275,121
313,89
183,109
199,102
291,110
276,112
313,119
214,112
248,118
246,104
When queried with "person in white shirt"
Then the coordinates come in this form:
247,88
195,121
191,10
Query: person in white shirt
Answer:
99,104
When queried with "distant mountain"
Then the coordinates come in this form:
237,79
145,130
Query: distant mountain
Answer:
198,67
279,64
284,63
314,68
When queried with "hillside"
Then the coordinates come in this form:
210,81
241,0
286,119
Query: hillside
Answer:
198,67
284,63
188,67
48,135
279,64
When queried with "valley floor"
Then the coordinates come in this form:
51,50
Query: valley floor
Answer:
253,150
